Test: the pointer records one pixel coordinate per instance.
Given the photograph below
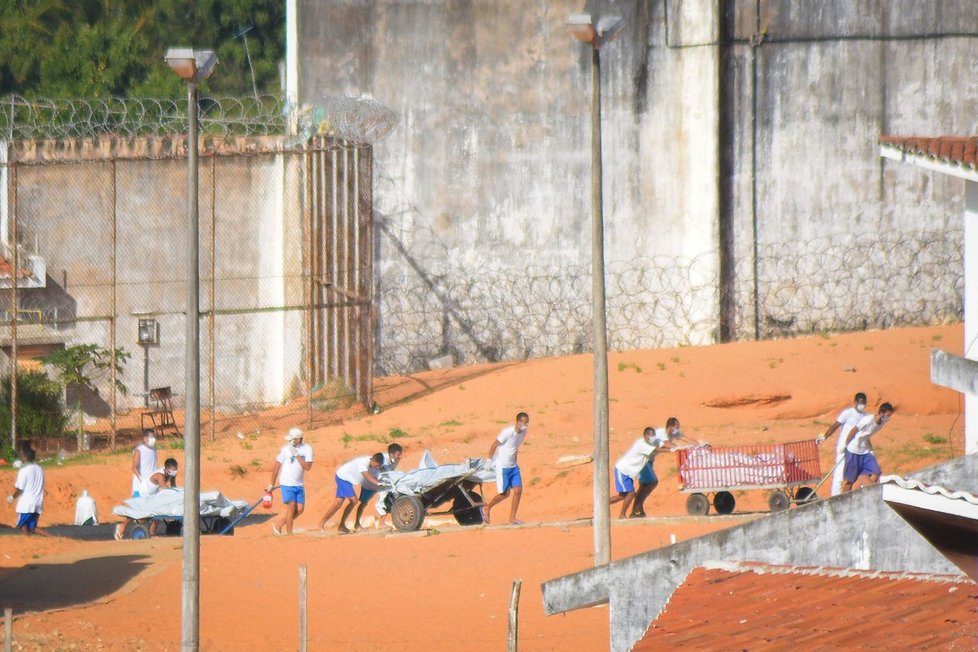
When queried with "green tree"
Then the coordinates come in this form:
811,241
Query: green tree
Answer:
80,366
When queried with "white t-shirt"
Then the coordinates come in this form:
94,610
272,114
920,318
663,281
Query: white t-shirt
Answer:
147,464
30,481
865,428
635,459
848,419
389,464
291,473
148,487
353,470
509,442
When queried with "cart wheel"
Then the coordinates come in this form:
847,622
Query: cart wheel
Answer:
724,502
464,512
805,495
407,514
778,501
698,505
138,532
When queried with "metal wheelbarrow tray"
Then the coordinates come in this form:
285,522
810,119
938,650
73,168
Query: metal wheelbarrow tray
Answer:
415,493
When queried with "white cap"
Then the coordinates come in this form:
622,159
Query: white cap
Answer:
294,433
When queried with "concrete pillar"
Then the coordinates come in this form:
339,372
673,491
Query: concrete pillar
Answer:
971,308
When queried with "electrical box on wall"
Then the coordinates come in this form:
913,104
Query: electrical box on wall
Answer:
149,331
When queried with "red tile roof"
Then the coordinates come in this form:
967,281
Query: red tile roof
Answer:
741,606
949,149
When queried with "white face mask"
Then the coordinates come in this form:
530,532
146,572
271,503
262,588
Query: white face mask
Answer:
151,442
860,407
171,474
520,428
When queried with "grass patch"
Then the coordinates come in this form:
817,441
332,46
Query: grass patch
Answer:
347,438
237,471
931,438
255,463
674,360
562,474
622,366
397,433
936,338
661,366
447,424
534,481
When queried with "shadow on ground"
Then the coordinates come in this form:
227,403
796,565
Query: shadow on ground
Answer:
42,587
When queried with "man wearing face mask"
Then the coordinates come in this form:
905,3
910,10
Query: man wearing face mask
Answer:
162,478
508,480
860,459
143,462
844,423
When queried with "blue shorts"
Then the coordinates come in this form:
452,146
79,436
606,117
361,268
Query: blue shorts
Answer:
28,520
623,483
135,494
857,465
344,489
647,475
506,479
293,495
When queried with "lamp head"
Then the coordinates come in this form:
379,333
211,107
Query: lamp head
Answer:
191,65
584,28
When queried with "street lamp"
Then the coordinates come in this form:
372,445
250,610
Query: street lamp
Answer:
597,33
192,66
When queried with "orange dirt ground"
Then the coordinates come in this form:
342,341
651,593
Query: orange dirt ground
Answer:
448,586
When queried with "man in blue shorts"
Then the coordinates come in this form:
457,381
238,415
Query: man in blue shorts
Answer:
293,461
860,459
28,492
363,471
508,480
636,464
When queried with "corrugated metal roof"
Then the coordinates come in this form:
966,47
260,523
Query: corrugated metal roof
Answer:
933,490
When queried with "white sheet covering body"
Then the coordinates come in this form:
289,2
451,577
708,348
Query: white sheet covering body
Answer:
168,503
420,480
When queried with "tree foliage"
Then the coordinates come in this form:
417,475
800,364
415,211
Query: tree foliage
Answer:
80,366
101,48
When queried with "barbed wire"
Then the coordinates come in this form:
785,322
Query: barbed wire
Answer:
358,119
903,279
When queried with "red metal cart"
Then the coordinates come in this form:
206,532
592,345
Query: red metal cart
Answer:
788,469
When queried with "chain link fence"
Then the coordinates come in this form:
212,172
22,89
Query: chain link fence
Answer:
100,225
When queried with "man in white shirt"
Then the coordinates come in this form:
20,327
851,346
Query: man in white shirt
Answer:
393,457
844,423
143,461
358,471
508,479
292,462
637,463
860,459
28,492
162,478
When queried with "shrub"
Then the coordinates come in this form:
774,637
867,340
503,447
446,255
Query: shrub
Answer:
40,409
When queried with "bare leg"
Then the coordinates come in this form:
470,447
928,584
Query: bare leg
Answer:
517,493
351,503
626,504
329,512
360,508
644,491
498,498
846,486
291,511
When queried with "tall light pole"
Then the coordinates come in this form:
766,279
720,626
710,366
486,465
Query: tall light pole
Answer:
597,32
193,66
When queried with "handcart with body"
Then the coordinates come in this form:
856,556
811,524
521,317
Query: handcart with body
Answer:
218,515
787,470
414,494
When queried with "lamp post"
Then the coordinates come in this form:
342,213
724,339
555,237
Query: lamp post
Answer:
193,66
596,33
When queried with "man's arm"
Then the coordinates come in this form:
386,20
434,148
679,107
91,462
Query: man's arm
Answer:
492,449
301,460
828,432
135,464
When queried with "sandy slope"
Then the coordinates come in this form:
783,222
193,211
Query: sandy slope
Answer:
447,585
